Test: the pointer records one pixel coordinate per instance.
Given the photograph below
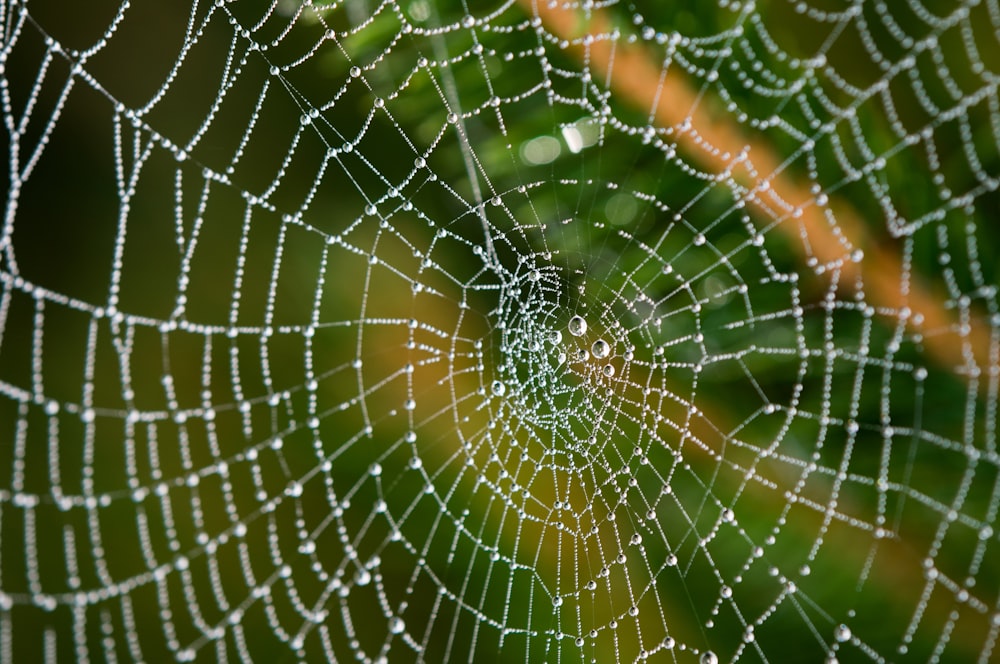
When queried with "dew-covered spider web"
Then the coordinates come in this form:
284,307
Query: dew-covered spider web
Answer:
500,331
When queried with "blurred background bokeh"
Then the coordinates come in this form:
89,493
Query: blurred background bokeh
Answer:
286,361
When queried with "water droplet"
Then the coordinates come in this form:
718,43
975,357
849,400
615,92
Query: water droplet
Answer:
534,275
842,633
409,404
577,326
557,601
396,625
498,388
609,370
582,355
728,516
726,592
355,72
709,657
601,349
636,539
555,336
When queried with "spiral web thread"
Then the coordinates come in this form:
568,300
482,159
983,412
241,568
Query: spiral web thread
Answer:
416,332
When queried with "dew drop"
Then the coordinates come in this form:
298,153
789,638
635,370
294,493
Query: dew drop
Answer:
555,337
355,72
609,370
601,349
396,625
842,633
498,388
709,657
557,601
577,326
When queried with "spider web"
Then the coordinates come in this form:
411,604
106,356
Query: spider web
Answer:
511,331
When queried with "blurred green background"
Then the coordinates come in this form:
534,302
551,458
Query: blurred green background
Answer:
238,260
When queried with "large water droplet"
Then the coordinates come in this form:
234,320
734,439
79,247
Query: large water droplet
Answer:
842,633
396,625
498,388
609,370
555,337
709,657
601,349
577,326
